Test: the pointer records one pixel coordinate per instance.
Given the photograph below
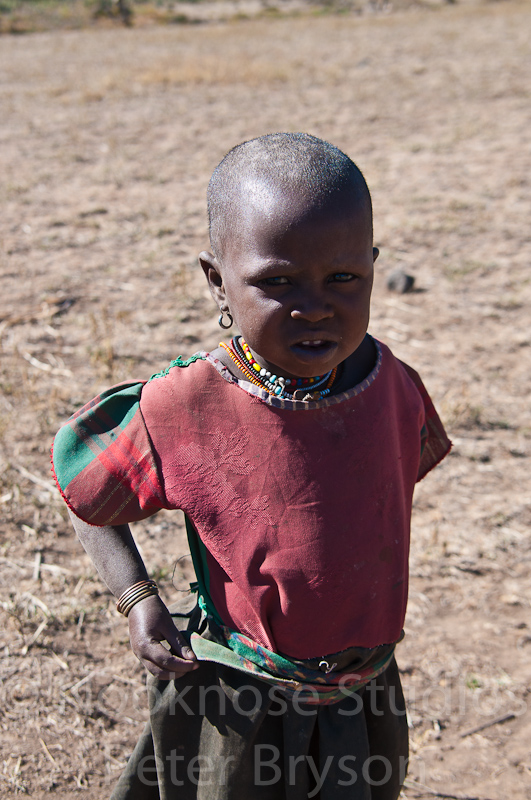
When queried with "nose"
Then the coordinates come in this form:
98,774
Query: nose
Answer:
312,305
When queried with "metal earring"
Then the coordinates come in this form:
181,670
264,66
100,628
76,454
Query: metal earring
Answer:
220,320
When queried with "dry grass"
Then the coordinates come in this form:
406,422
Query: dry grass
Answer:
214,71
32,16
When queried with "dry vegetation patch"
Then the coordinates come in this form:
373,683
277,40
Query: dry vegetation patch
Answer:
31,16
107,141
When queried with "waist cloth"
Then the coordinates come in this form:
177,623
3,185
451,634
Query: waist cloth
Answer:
316,681
241,727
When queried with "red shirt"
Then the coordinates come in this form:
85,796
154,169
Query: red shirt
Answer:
303,507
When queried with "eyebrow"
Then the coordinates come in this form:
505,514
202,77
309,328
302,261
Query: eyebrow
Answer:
269,266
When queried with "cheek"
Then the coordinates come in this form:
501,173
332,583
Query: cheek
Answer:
257,308
259,320
364,299
356,319
241,306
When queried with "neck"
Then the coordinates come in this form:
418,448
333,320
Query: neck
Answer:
357,366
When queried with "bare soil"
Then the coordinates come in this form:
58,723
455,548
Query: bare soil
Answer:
107,141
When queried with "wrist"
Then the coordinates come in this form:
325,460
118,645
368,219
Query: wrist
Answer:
135,594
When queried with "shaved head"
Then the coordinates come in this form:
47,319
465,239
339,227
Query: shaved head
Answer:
295,172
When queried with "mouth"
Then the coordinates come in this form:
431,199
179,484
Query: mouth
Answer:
311,349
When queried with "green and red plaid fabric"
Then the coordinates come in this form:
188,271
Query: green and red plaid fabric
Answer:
105,453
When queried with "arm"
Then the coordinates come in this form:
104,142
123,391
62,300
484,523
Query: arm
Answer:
116,557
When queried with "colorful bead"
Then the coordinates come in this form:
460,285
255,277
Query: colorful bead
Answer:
240,353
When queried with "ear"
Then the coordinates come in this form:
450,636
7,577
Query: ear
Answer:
375,254
211,268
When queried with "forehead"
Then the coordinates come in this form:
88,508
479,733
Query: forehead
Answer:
266,215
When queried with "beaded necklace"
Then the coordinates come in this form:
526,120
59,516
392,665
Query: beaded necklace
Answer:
277,385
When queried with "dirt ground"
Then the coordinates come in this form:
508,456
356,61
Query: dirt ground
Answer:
107,141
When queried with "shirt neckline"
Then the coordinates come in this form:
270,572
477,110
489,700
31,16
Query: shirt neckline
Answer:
296,405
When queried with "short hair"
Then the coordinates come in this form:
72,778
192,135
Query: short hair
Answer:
289,161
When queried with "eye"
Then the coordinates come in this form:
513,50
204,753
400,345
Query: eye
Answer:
342,277
276,280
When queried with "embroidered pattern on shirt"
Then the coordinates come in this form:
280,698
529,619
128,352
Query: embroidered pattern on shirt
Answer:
215,464
178,362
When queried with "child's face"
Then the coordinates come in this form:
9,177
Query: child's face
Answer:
298,284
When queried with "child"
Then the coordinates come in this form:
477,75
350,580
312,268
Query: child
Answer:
293,453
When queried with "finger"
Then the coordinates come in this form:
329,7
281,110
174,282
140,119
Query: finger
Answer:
163,660
172,635
172,671
165,674
178,644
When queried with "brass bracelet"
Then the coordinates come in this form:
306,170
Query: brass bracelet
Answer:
137,592
132,590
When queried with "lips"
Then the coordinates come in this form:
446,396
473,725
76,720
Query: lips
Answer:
315,343
310,349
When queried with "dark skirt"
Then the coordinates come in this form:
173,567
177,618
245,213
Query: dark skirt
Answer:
218,734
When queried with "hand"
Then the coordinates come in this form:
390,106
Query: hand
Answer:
150,623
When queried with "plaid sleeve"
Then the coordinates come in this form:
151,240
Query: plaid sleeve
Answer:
103,461
435,444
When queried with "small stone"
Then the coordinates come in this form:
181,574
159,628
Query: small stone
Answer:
511,599
399,281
